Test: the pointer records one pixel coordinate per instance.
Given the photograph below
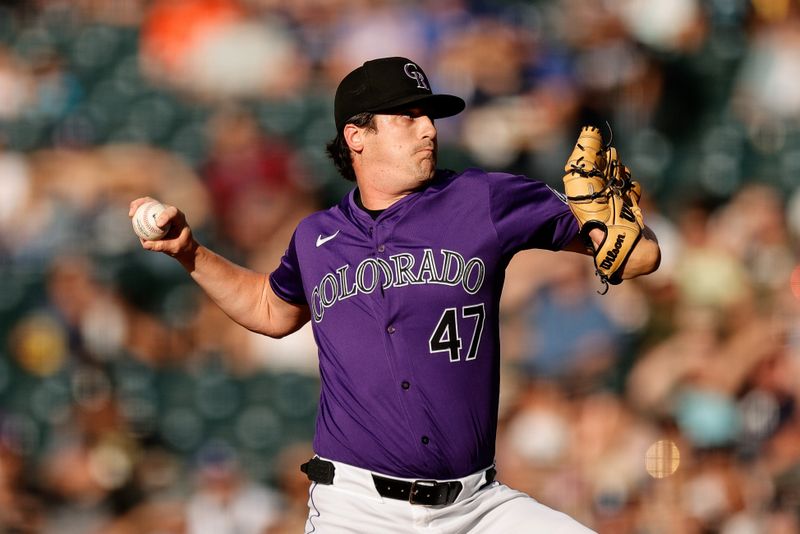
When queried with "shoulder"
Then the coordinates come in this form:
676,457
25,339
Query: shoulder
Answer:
498,187
493,181
319,222
448,179
475,174
469,174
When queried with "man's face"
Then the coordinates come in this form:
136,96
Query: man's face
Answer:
402,150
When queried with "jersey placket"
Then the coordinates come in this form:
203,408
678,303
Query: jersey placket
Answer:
403,380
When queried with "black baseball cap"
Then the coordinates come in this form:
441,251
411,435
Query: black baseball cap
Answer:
389,83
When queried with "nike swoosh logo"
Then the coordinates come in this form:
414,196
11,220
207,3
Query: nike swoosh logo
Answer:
322,240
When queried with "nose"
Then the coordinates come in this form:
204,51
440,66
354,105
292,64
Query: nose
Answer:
427,127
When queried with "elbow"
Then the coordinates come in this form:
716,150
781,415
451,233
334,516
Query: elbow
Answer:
267,331
280,327
656,261
650,250
276,335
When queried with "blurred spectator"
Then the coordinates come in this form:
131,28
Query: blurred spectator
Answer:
764,87
793,214
571,337
293,485
87,474
761,239
15,84
707,273
20,509
225,501
258,185
674,28
211,49
377,28
57,90
15,175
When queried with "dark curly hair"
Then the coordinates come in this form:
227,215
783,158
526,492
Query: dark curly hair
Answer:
338,150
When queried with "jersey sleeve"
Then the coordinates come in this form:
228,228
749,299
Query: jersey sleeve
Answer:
528,213
286,281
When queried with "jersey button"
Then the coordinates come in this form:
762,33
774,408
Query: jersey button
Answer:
381,248
425,440
405,384
391,329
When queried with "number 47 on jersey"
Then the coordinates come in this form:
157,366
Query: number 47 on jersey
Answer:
446,338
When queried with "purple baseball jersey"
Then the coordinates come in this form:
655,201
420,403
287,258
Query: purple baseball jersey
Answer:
405,315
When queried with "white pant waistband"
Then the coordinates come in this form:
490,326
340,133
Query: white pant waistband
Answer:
355,479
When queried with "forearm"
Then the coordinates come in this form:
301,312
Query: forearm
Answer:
240,292
644,258
244,295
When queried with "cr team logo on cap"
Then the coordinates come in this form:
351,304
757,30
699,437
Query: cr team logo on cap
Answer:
413,72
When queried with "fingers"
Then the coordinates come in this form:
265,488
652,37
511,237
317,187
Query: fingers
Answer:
587,153
170,215
634,195
176,242
172,218
636,190
134,205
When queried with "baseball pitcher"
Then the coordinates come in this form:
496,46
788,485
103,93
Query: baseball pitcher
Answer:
401,282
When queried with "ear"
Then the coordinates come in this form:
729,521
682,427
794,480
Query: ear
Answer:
354,136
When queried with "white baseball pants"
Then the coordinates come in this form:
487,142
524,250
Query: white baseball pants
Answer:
351,505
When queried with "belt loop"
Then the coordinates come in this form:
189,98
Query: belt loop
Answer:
489,477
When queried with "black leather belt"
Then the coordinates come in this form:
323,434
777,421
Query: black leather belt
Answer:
426,492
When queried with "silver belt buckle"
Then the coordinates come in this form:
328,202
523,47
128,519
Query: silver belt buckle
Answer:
413,492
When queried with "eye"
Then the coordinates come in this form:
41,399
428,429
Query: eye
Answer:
411,113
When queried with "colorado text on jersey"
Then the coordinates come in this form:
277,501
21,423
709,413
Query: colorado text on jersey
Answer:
397,271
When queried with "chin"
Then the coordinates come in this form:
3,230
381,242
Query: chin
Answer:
426,176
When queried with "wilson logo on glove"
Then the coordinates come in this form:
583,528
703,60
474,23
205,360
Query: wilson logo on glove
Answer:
613,253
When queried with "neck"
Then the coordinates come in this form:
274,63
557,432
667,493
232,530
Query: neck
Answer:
379,194
379,200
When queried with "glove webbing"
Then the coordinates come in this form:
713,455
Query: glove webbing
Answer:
619,186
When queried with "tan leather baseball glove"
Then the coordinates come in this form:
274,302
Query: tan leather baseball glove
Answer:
602,195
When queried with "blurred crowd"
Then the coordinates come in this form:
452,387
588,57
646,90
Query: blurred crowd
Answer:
130,404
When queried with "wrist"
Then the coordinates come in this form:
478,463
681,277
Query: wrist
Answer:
188,256
596,236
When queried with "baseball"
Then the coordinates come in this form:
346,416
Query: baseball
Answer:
144,221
